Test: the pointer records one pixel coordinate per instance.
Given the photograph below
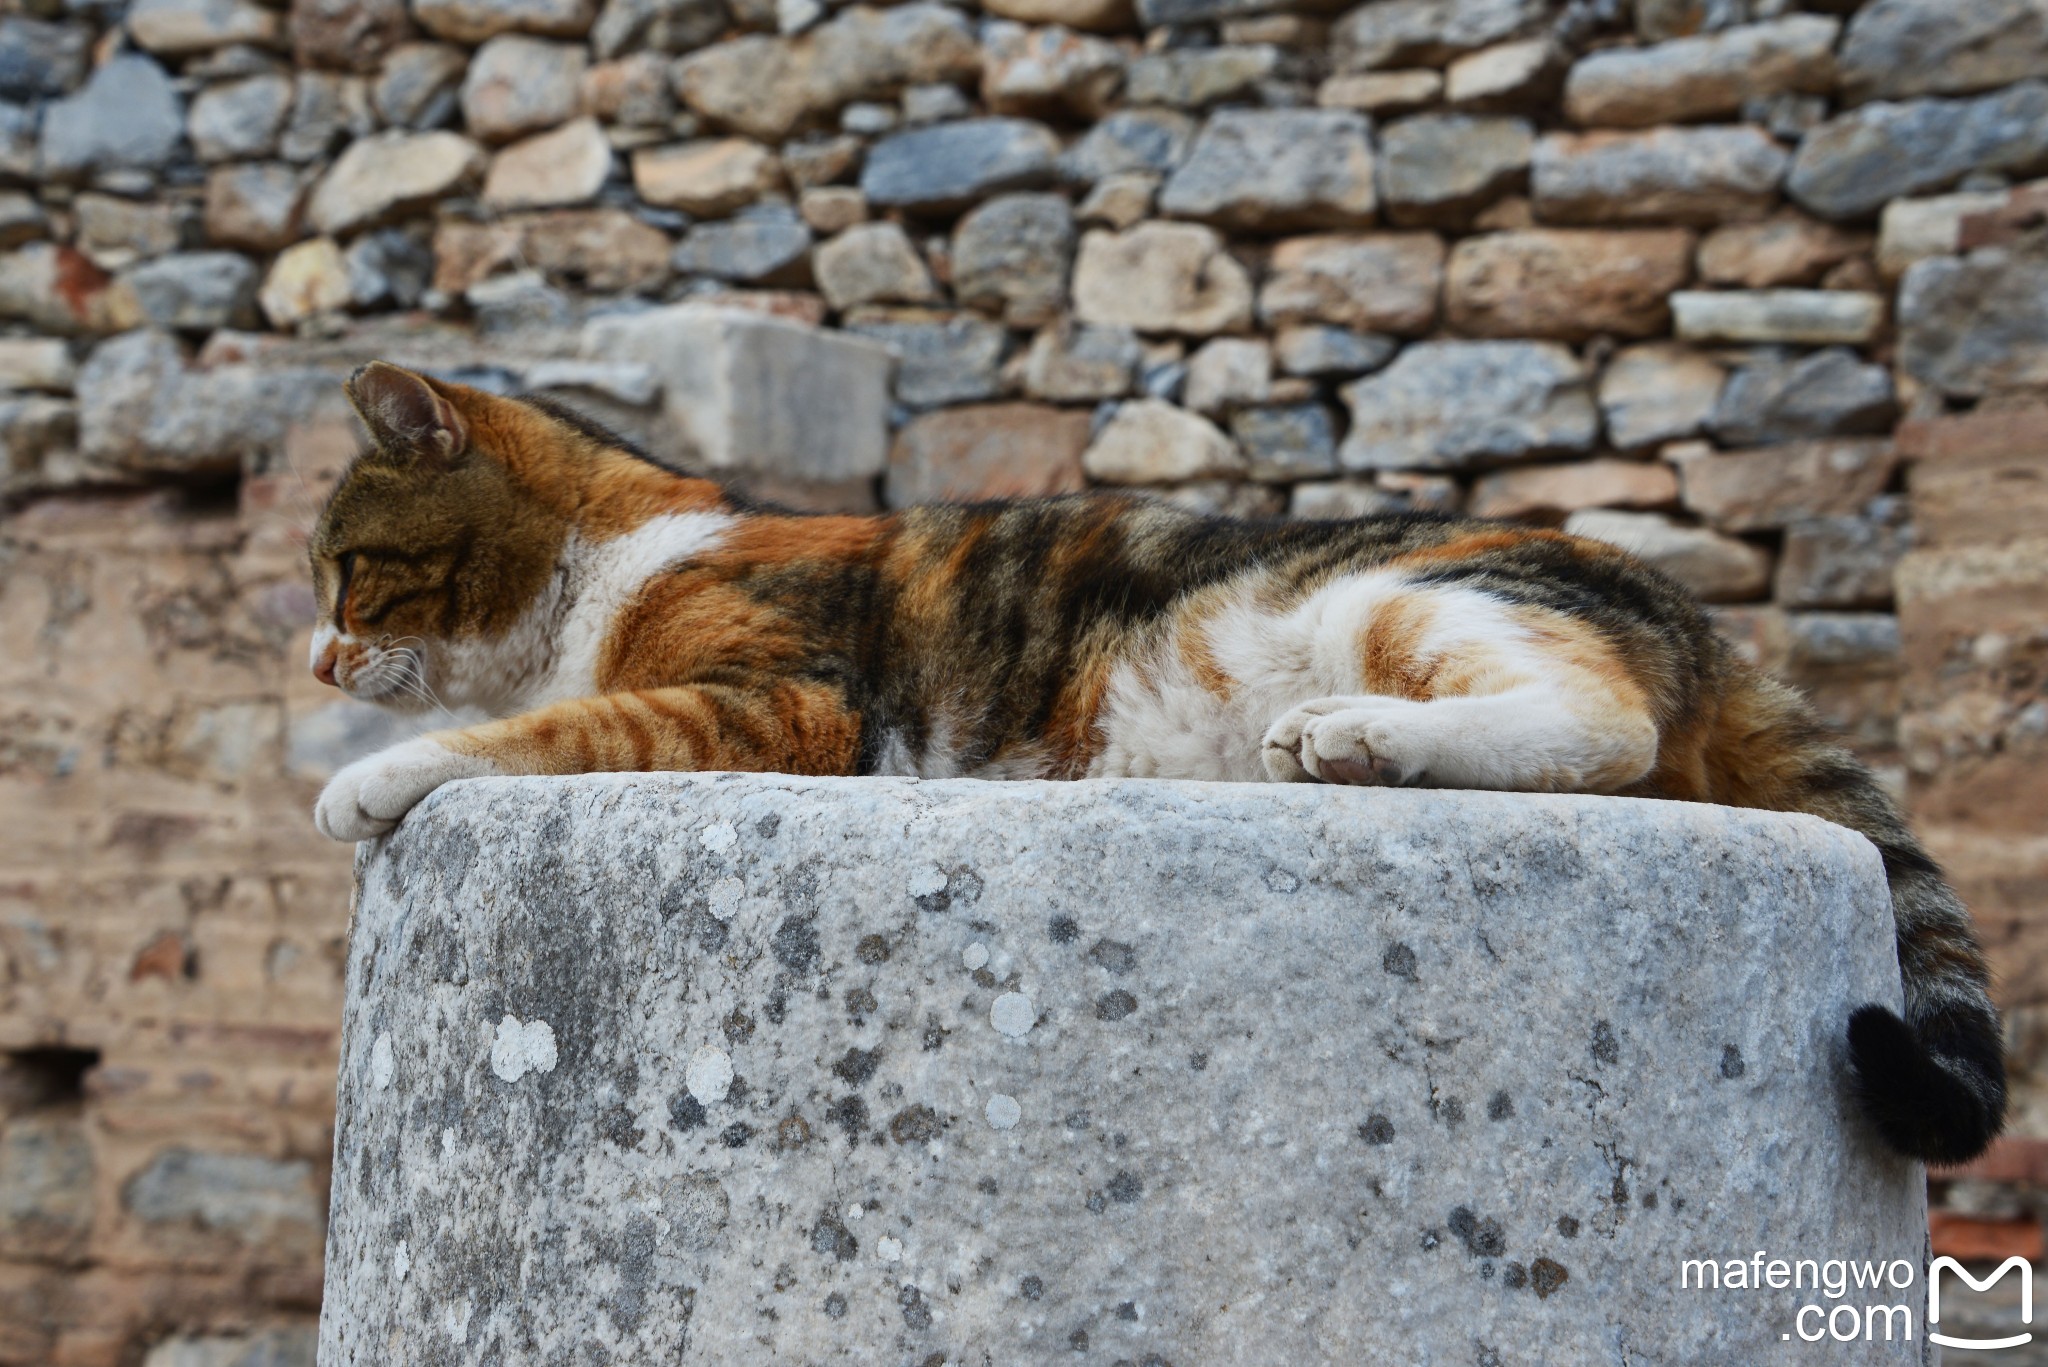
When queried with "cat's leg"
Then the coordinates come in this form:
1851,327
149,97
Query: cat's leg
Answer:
785,727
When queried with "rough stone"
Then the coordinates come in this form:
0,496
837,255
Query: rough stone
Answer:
1658,393
194,290
1073,363
1161,277
22,219
1287,441
329,110
1460,405
1788,248
1660,21
633,92
1276,169
518,85
1228,373
477,21
1443,168
38,58
1335,500
755,393
116,231
1974,326
1914,229
46,1187
1708,77
603,249
1718,568
1793,317
390,173
707,178
1047,71
872,263
1570,284
1379,282
419,85
178,28
1152,141
828,209
127,115
36,363
1194,78
1012,255
1850,166
949,165
941,359
1428,32
566,166
1552,492
1844,562
1692,176
1106,16
352,35
56,289
1828,393
707,1200
656,26
240,120
250,1198
1747,491
1119,201
767,243
1152,442
1381,92
1320,351
1900,48
305,281
978,451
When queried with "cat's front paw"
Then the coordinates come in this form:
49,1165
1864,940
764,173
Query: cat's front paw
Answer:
366,799
1358,741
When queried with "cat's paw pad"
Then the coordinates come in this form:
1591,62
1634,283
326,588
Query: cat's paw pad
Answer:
1343,740
366,799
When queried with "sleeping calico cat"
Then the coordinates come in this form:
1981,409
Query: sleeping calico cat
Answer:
612,614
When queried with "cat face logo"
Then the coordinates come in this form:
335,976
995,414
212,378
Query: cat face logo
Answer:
2026,1271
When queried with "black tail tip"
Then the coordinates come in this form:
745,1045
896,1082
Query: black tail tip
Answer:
1935,1092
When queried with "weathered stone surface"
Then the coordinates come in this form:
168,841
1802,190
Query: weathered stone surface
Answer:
1119,201
1380,282
1011,255
1161,277
38,58
420,85
1913,229
1788,248
36,363
1193,78
1276,169
1658,393
767,243
1975,325
605,249
1694,176
389,173
177,28
755,393
996,450
127,115
1381,92
566,166
240,120
306,280
116,231
1746,491
1844,562
632,91
872,263
656,26
1723,1071
764,87
1333,500
1899,48
1152,442
1047,71
1287,441
56,289
707,178
475,21
941,358
1318,350
518,85
1460,405
1659,21
1828,393
1570,284
1428,32
194,290
1708,77
1518,75
47,1177
949,165
329,111
1111,16
1147,140
1442,168
1553,491
1228,373
1075,363
1718,568
828,209
1853,163
353,35
1804,317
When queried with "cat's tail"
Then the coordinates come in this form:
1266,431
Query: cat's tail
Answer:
1932,1083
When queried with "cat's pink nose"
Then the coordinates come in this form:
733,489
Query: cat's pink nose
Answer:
323,668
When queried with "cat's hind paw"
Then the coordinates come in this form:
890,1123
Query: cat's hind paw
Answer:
367,799
1358,741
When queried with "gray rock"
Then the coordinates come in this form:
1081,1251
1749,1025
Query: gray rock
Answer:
292,1346
1657,393
1277,169
937,102
627,26
127,115
1853,163
46,1185
1147,140
1386,33
1899,48
1845,562
388,269
1975,325
767,243
1696,176
1660,21
1442,168
1320,351
1799,317
1161,13
949,165
195,290
1464,405
21,219
1710,76
419,85
474,21
757,394
1077,363
1396,1095
1288,441
1829,393
18,136
39,58
252,1198
1192,78
1012,255
240,120
941,360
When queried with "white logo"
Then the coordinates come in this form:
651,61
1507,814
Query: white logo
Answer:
2026,1271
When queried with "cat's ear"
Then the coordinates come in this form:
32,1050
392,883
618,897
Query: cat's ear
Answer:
405,414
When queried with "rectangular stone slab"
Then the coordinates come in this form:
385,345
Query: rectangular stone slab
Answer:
749,1068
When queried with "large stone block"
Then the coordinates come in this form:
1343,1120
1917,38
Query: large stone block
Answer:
1977,325
1852,164
758,394
1710,76
1464,405
1570,284
1897,48
768,1068
1274,169
1669,175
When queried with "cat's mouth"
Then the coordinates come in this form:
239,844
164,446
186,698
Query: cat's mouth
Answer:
393,676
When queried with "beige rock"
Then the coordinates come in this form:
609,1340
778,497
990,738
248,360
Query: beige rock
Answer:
1229,373
1566,283
1338,500
1720,569
177,28
709,178
604,249
872,263
307,279
1915,229
1048,71
518,85
1380,282
1119,200
1161,277
566,166
1097,16
1710,76
632,90
1788,248
1692,176
1658,393
1381,92
830,209
36,363
474,21
996,450
1150,441
1510,76
1553,491
1081,364
1799,317
389,172
1744,491
256,205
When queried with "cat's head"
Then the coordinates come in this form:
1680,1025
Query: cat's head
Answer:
440,538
